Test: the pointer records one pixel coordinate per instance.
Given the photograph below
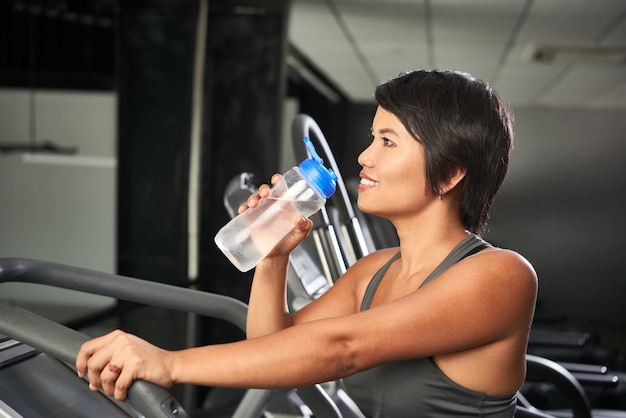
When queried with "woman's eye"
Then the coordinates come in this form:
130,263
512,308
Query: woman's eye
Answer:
388,142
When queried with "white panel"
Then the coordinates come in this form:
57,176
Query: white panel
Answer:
85,119
59,208
14,115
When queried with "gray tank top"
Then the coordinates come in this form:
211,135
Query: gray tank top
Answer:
417,387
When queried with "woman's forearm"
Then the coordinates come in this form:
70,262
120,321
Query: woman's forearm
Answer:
267,308
295,357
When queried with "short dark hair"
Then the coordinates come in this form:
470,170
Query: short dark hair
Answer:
462,123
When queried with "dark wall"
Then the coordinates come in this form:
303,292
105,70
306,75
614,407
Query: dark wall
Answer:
242,96
242,119
156,49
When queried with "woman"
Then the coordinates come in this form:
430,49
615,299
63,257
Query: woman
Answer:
436,327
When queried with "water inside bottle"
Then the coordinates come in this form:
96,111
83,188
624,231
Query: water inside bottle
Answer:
283,213
262,227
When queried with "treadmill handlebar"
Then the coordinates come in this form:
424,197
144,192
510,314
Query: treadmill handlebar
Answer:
64,343
125,288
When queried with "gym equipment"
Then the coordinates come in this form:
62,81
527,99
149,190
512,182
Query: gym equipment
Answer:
58,342
44,351
343,242
546,370
599,369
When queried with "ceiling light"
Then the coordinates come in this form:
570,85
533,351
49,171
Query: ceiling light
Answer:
575,54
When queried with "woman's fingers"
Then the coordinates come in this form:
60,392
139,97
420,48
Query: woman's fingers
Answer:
114,361
109,377
276,178
115,379
89,348
301,228
93,359
122,384
101,360
253,200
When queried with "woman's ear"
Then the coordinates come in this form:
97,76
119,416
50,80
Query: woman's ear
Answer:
456,176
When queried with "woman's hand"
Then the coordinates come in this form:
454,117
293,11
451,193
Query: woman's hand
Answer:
263,192
302,225
112,362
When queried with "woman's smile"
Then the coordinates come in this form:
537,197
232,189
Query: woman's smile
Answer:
366,183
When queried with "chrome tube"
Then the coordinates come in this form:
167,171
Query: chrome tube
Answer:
353,243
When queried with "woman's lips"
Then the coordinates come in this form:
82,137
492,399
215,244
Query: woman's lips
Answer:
366,183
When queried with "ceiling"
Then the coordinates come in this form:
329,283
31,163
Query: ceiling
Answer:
359,43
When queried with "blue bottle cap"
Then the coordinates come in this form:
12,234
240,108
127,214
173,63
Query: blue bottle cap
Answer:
323,180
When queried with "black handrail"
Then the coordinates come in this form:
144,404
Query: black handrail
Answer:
125,288
64,343
545,370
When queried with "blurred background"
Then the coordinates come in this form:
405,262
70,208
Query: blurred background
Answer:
122,121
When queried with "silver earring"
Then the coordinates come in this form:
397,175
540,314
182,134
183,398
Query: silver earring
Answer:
440,196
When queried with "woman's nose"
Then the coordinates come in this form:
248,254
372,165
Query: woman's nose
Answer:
365,158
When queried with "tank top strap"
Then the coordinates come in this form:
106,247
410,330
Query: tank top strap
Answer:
373,284
470,245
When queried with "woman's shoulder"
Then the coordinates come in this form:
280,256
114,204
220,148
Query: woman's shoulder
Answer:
503,265
512,258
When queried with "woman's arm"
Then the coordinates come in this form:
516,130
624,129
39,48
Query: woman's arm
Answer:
465,308
267,307
297,356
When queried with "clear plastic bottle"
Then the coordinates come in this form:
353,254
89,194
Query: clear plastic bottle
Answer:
251,235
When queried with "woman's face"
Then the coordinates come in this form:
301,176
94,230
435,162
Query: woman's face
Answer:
393,178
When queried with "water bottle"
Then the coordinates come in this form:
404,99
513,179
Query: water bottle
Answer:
303,189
